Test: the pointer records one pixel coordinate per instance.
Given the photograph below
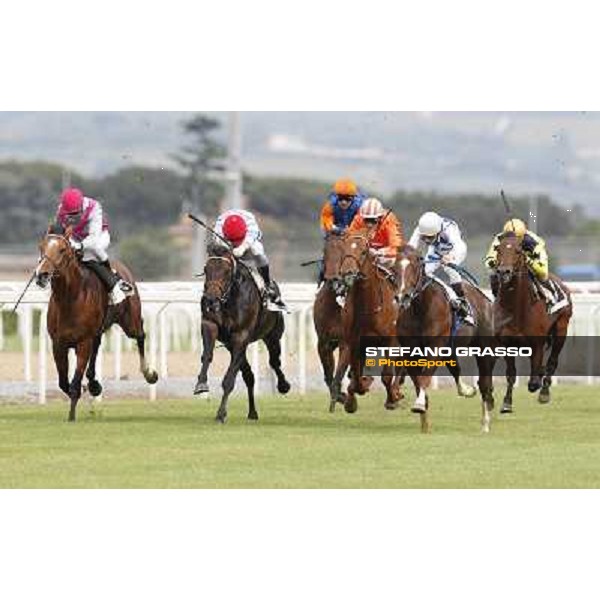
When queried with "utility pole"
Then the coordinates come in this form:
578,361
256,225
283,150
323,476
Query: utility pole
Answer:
233,174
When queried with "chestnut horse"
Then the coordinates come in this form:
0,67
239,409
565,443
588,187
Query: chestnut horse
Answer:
369,310
521,318
326,310
79,313
426,316
233,313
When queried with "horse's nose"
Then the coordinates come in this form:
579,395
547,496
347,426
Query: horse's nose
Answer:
42,280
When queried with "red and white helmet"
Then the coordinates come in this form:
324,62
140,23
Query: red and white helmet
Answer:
235,229
71,201
371,209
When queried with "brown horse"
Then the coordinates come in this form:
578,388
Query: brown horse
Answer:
521,318
78,315
370,311
327,311
233,313
426,318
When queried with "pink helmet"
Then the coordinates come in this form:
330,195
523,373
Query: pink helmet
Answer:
71,200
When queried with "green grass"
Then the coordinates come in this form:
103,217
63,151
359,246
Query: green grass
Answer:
298,444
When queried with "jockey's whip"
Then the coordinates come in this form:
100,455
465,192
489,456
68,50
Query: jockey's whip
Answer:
310,262
24,291
209,229
508,209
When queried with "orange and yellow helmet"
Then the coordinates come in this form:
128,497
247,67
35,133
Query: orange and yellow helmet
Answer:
345,187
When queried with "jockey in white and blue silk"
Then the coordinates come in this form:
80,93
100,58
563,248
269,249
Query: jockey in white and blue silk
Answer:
445,248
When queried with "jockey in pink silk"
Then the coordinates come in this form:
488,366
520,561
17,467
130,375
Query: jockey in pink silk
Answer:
90,238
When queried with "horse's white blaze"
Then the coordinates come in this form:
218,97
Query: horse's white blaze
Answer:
403,264
50,246
353,246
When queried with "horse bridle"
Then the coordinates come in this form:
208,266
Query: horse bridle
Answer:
422,282
224,297
519,269
57,266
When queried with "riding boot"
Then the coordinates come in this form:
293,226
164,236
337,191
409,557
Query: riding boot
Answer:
463,307
125,286
321,276
274,301
109,279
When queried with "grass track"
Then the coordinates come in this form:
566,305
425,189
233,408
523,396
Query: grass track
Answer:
298,444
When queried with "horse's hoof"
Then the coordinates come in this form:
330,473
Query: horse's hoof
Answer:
351,406
283,387
533,386
201,388
392,405
332,406
506,409
151,377
418,409
544,398
467,391
253,416
221,418
95,388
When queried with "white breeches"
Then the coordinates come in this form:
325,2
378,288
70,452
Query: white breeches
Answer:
451,274
98,251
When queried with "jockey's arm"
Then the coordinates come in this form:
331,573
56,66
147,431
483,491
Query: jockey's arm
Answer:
415,239
327,218
95,229
492,254
537,256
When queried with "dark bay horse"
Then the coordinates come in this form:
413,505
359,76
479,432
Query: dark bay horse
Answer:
79,313
233,313
521,318
369,310
426,315
326,310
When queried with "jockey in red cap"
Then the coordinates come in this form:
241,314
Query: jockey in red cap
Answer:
91,238
240,229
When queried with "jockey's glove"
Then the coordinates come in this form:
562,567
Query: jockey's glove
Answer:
77,246
241,249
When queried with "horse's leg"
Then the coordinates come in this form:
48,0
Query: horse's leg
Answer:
248,377
392,399
94,386
132,324
355,386
325,349
537,357
83,350
421,404
61,360
273,342
485,365
209,338
336,394
558,342
238,355
464,389
511,379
